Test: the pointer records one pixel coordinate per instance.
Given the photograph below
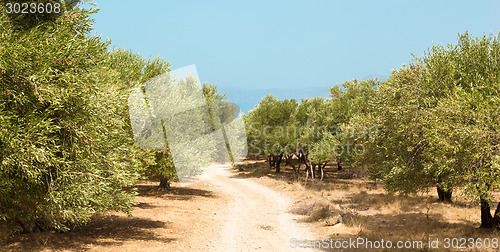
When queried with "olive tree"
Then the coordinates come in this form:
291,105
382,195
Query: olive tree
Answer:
267,126
437,124
63,140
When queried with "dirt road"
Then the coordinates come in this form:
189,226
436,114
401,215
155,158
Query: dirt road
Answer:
222,212
256,216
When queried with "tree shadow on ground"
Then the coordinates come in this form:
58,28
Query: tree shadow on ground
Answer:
394,217
100,231
407,203
174,193
260,168
144,205
418,227
409,225
257,169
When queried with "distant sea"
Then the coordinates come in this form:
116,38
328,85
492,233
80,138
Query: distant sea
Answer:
248,98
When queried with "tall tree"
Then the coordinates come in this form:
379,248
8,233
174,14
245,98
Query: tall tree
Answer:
62,135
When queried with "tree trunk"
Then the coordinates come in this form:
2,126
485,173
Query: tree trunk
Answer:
270,160
496,217
444,195
295,170
278,163
309,169
288,159
322,168
339,167
486,218
312,171
29,227
164,183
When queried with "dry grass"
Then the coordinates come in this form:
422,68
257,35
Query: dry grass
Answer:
369,212
320,213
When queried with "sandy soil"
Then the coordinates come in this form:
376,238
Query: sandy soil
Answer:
250,209
223,212
256,216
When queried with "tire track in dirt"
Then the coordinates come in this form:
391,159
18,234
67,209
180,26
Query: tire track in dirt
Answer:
257,216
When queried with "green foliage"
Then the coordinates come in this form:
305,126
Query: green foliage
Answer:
222,113
269,126
309,129
315,128
437,121
187,125
352,98
66,146
122,71
180,126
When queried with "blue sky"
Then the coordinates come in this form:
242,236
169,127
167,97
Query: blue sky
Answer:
290,44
